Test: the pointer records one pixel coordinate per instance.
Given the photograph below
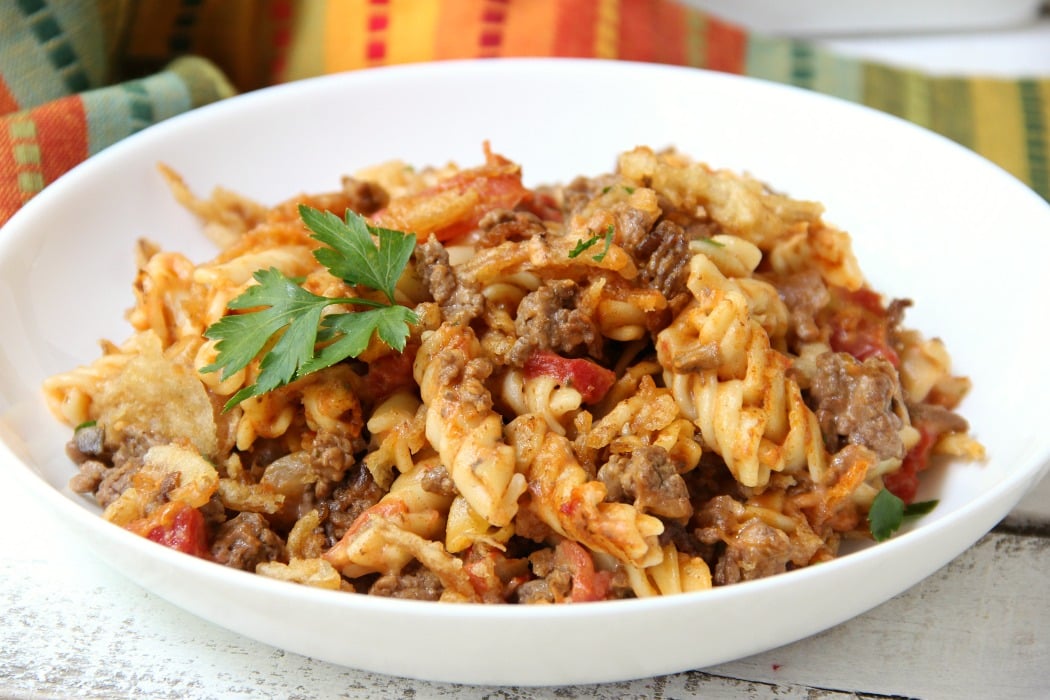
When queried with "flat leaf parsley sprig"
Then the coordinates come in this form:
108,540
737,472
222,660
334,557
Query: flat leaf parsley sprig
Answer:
888,512
289,320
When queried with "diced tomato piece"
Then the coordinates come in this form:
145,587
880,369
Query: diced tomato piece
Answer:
589,378
859,325
587,584
497,185
904,483
542,205
496,191
176,526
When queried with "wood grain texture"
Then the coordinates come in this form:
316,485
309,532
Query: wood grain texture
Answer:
978,628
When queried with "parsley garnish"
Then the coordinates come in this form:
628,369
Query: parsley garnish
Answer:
887,512
583,245
287,319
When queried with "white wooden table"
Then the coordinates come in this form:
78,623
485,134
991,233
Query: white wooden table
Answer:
73,628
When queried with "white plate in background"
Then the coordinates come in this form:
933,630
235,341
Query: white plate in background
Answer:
816,17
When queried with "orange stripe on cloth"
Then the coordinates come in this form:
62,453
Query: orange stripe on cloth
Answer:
345,35
458,29
20,174
62,132
8,103
575,28
726,46
36,147
527,29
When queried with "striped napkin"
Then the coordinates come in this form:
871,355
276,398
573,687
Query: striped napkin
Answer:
77,77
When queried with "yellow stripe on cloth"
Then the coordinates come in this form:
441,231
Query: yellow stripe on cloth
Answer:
998,124
345,36
607,29
412,41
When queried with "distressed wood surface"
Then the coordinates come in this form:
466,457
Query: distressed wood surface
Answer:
72,628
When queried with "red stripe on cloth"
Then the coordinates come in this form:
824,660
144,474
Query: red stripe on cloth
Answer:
8,103
638,30
726,46
673,20
574,29
378,23
280,37
490,40
62,132
376,27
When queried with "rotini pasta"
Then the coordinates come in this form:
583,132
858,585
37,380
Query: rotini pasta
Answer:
646,382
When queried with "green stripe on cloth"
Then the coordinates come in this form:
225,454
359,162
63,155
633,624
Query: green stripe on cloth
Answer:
43,142
951,109
839,76
205,82
803,64
28,74
696,39
140,110
115,112
29,179
89,30
1035,129
769,58
52,38
884,88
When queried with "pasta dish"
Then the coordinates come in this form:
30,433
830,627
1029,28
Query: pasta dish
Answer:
441,384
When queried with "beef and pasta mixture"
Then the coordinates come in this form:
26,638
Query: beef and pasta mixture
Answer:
441,384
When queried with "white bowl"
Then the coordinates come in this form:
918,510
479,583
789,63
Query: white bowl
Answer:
930,220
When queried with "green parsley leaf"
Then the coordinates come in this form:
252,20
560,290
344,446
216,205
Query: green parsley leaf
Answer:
286,323
582,245
608,242
914,510
286,311
352,333
353,256
888,512
712,242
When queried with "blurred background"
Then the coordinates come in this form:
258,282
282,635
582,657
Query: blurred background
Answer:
77,76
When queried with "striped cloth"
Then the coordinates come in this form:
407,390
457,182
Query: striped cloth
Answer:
76,77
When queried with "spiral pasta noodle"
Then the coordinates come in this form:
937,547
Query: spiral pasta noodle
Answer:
645,382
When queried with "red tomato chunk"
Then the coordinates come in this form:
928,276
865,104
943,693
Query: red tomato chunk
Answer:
589,378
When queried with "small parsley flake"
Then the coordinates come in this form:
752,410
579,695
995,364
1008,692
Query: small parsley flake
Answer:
582,245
